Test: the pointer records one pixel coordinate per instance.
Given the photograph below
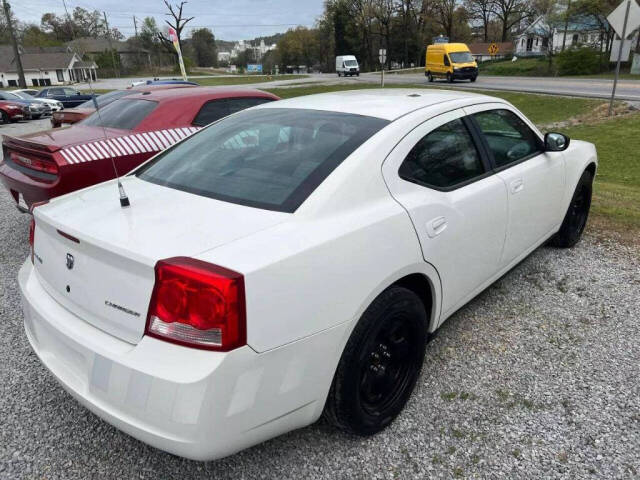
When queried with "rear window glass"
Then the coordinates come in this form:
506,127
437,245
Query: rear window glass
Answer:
216,109
107,98
123,114
267,158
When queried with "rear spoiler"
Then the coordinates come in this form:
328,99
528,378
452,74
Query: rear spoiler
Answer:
24,144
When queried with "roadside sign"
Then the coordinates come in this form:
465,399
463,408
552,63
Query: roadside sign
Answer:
440,39
382,55
254,68
617,17
493,49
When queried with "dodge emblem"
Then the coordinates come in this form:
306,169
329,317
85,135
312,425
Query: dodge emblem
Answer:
70,261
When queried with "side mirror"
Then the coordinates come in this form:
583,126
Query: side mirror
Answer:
556,142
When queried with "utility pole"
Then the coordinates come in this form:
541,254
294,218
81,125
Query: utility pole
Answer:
135,28
113,56
16,51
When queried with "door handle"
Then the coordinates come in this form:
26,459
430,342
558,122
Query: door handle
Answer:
517,185
436,226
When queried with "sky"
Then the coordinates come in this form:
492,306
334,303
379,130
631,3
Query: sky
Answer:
228,19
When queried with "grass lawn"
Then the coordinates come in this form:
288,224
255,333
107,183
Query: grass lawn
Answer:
541,109
617,187
241,80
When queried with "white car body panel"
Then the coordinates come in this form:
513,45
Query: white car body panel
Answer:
54,104
309,276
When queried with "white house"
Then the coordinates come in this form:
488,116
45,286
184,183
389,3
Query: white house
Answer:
535,39
45,68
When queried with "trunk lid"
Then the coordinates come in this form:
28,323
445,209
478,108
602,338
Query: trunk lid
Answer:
53,140
97,259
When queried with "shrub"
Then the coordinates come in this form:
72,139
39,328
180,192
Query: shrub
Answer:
578,61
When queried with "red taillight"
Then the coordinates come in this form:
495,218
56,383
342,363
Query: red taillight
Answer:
197,304
38,164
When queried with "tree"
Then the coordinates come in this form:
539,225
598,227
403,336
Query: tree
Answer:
481,11
82,23
445,10
204,47
33,36
178,24
510,13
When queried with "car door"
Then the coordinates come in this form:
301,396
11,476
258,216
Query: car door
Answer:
73,97
441,176
534,179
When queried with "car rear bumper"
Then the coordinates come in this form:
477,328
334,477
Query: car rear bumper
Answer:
31,189
194,403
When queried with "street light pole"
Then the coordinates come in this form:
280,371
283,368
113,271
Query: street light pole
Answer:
16,51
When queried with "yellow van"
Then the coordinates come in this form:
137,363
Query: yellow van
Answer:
451,61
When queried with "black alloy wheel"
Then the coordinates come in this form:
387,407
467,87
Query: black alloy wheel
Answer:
380,363
575,219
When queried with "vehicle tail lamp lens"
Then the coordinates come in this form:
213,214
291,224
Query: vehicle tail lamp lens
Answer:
197,304
41,165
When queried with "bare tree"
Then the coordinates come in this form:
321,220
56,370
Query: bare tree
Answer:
481,11
445,10
511,13
178,25
384,10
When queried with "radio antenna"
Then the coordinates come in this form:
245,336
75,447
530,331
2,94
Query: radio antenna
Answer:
124,200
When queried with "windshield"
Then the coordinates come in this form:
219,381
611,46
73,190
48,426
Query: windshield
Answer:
350,63
461,57
123,114
271,158
23,95
107,98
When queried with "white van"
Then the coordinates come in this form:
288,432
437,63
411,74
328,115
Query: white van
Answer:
347,65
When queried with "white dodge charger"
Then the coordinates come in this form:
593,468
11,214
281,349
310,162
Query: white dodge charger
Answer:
291,260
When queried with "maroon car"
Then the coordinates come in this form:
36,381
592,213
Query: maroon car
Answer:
12,111
130,130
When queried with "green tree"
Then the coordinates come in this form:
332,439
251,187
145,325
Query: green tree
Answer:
204,48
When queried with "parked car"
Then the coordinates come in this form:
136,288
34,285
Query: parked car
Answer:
70,97
35,107
54,105
290,260
157,81
74,115
43,165
12,112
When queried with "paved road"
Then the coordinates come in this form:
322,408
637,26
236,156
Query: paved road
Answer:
583,87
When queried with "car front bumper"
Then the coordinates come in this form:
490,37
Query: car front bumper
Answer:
465,74
194,403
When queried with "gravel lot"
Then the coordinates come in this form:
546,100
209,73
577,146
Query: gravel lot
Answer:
538,377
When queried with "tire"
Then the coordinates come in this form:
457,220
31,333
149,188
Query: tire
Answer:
380,364
358,74
338,74
473,79
449,77
430,77
577,214
4,118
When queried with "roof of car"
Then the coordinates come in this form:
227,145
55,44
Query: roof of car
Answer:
388,103
196,92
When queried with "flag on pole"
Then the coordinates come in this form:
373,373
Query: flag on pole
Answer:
176,43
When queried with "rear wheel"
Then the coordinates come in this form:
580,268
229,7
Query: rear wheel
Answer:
449,77
430,77
338,73
576,217
4,118
380,364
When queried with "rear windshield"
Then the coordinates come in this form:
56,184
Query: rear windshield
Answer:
107,98
123,114
461,57
270,158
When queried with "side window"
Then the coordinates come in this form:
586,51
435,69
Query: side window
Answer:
509,138
444,158
55,91
211,111
70,92
216,109
446,60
